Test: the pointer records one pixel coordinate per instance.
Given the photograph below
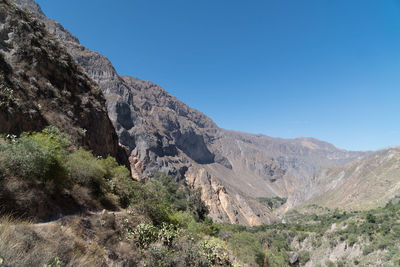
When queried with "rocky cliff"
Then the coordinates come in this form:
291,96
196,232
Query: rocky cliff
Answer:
41,84
163,134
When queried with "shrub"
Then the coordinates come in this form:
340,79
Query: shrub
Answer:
370,218
37,156
245,246
196,206
7,96
183,252
213,250
273,203
304,257
186,221
329,263
167,234
149,200
161,197
302,236
275,258
144,235
368,249
119,180
352,240
86,170
213,229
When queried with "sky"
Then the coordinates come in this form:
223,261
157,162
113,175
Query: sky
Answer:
315,68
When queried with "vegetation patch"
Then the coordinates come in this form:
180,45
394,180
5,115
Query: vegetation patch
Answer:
7,96
162,222
273,203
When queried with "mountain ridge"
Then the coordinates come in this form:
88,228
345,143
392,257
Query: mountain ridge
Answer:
362,184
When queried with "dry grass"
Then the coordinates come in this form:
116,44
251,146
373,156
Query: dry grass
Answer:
27,244
20,245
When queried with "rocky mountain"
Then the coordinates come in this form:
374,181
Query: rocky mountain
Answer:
360,185
41,84
161,133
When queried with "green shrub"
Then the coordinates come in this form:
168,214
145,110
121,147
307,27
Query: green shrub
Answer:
186,221
148,199
161,198
368,249
329,263
304,257
272,203
119,180
7,96
86,170
213,229
246,247
46,157
38,156
183,252
302,236
196,206
352,240
145,234
167,234
213,250
370,218
275,258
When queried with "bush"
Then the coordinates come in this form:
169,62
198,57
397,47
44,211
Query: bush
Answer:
304,257
119,180
144,235
167,234
368,249
370,218
46,157
86,170
277,258
352,240
213,251
246,247
273,203
196,206
148,200
329,263
161,198
38,156
7,96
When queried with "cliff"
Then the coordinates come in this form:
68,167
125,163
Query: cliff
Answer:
41,85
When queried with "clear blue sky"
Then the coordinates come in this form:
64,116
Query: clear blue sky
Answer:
321,68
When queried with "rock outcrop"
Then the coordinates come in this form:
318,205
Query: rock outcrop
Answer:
41,84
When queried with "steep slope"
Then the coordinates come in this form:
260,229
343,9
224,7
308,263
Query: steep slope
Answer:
363,184
42,85
287,161
163,134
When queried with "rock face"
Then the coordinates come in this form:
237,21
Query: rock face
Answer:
41,84
163,134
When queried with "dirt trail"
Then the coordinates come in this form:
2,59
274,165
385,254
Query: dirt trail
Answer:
87,214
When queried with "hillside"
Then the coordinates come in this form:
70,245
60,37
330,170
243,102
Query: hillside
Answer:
360,185
163,134
40,85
